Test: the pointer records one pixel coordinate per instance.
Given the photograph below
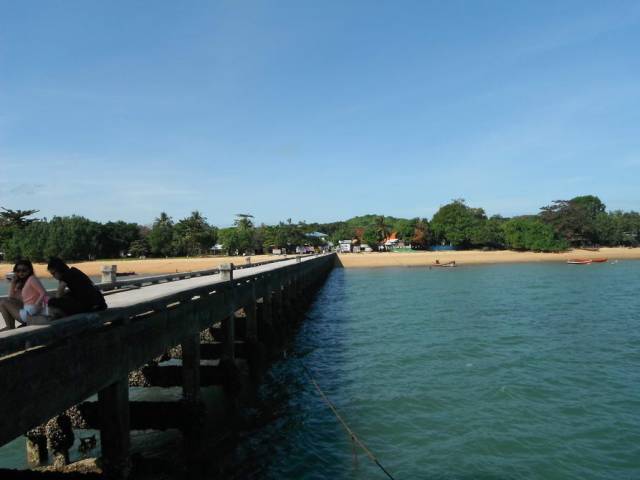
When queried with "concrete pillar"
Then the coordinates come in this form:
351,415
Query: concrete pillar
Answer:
109,273
267,308
226,271
193,409
250,311
228,324
37,452
273,303
191,368
283,312
60,438
114,432
287,307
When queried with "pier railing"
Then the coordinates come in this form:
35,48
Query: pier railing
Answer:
113,287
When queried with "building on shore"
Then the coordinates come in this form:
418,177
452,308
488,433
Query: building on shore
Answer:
344,246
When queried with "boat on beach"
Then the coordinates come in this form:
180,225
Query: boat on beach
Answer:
450,264
599,260
579,261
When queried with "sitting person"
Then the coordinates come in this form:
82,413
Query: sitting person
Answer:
26,297
82,297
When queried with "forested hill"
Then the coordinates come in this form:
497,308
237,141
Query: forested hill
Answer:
581,221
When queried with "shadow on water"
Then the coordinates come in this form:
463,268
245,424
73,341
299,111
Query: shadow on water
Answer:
288,407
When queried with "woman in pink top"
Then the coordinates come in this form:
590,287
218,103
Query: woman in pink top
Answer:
26,295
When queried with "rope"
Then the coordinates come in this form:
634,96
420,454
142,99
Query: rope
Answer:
352,434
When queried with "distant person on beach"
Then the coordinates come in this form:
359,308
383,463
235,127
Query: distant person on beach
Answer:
76,291
26,296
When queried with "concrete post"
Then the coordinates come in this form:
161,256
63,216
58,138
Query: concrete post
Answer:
250,311
109,273
226,272
267,308
191,368
278,314
286,307
192,429
114,429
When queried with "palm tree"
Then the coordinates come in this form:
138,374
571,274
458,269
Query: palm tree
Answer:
243,221
382,229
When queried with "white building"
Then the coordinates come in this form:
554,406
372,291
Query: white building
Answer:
344,246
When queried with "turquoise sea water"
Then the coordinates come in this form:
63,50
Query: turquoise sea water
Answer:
46,282
488,372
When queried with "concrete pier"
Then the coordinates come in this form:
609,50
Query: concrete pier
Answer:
208,322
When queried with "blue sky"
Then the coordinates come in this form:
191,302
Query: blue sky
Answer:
316,110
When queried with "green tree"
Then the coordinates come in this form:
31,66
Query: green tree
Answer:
404,228
456,223
11,223
28,242
114,238
575,220
230,240
620,228
343,232
160,237
370,237
489,233
193,235
16,218
245,232
243,238
139,248
381,229
72,238
530,233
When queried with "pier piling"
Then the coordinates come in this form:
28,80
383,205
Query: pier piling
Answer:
114,429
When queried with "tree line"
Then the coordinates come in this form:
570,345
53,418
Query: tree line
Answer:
580,221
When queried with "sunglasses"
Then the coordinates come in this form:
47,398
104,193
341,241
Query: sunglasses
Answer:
22,270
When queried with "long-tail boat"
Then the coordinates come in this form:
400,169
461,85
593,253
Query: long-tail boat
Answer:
579,261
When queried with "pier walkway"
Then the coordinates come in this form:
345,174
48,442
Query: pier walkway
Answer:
46,370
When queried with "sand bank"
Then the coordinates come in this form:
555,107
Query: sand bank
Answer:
471,257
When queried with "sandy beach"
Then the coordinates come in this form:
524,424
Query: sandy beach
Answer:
475,257
154,266
150,266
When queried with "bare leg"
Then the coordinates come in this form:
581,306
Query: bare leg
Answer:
10,311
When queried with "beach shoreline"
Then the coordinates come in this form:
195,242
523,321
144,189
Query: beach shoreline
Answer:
478,257
159,266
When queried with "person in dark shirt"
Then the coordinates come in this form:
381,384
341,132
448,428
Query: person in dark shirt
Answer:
82,295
